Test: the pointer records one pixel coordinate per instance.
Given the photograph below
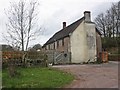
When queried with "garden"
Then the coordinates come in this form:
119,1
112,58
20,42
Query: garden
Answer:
36,77
34,74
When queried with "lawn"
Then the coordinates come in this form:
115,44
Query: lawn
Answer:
36,78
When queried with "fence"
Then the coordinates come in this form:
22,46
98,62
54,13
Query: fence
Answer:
30,58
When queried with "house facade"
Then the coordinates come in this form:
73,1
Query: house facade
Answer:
81,39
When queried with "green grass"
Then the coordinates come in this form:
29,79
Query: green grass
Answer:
36,78
0,78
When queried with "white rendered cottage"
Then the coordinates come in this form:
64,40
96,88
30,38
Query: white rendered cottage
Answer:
81,39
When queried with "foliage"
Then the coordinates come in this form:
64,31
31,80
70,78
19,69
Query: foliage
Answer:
36,47
114,57
21,23
6,48
36,78
109,23
32,58
109,42
12,70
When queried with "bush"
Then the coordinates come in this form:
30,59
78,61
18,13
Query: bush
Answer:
108,42
112,45
31,58
114,57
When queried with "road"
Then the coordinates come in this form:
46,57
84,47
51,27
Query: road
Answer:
92,75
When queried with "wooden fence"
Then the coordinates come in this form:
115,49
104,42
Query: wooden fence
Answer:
31,58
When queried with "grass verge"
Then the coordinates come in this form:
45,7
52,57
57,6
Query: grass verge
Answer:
36,78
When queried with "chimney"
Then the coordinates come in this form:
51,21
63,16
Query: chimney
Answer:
87,16
64,25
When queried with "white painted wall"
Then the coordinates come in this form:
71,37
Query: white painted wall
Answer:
83,43
91,40
79,45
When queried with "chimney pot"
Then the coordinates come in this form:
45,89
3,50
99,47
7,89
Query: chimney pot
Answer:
64,25
87,16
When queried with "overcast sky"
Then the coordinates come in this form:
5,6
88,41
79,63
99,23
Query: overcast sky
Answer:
53,12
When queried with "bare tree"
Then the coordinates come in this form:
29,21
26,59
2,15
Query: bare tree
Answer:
109,22
22,24
113,10
117,14
100,23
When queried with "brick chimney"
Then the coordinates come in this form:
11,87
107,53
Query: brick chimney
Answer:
87,16
64,25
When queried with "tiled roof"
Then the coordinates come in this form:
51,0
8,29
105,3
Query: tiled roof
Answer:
64,32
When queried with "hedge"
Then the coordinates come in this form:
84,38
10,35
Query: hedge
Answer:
114,57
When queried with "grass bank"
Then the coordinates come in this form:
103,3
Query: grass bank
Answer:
36,78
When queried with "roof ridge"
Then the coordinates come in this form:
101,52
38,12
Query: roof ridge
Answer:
69,25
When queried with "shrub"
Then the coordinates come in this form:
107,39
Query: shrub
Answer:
108,42
114,57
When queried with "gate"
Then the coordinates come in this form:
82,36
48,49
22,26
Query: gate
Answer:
62,57
56,57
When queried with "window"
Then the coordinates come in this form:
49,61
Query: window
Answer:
54,45
63,42
57,44
48,47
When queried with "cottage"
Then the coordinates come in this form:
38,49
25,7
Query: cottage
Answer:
81,39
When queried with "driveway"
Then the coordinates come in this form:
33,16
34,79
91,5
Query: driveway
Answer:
92,75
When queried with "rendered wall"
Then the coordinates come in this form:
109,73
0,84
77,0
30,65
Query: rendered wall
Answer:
79,45
83,43
91,41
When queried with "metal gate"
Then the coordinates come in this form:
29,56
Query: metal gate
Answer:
62,57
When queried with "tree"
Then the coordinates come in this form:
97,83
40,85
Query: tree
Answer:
22,24
109,22
117,14
36,47
100,23
7,48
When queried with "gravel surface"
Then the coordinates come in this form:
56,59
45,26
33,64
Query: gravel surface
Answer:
92,75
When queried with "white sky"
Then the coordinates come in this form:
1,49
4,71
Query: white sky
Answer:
54,12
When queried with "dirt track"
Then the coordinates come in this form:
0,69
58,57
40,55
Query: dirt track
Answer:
93,75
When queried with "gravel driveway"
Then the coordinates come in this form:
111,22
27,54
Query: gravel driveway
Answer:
92,75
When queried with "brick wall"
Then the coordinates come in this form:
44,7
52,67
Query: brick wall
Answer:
64,47
60,45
